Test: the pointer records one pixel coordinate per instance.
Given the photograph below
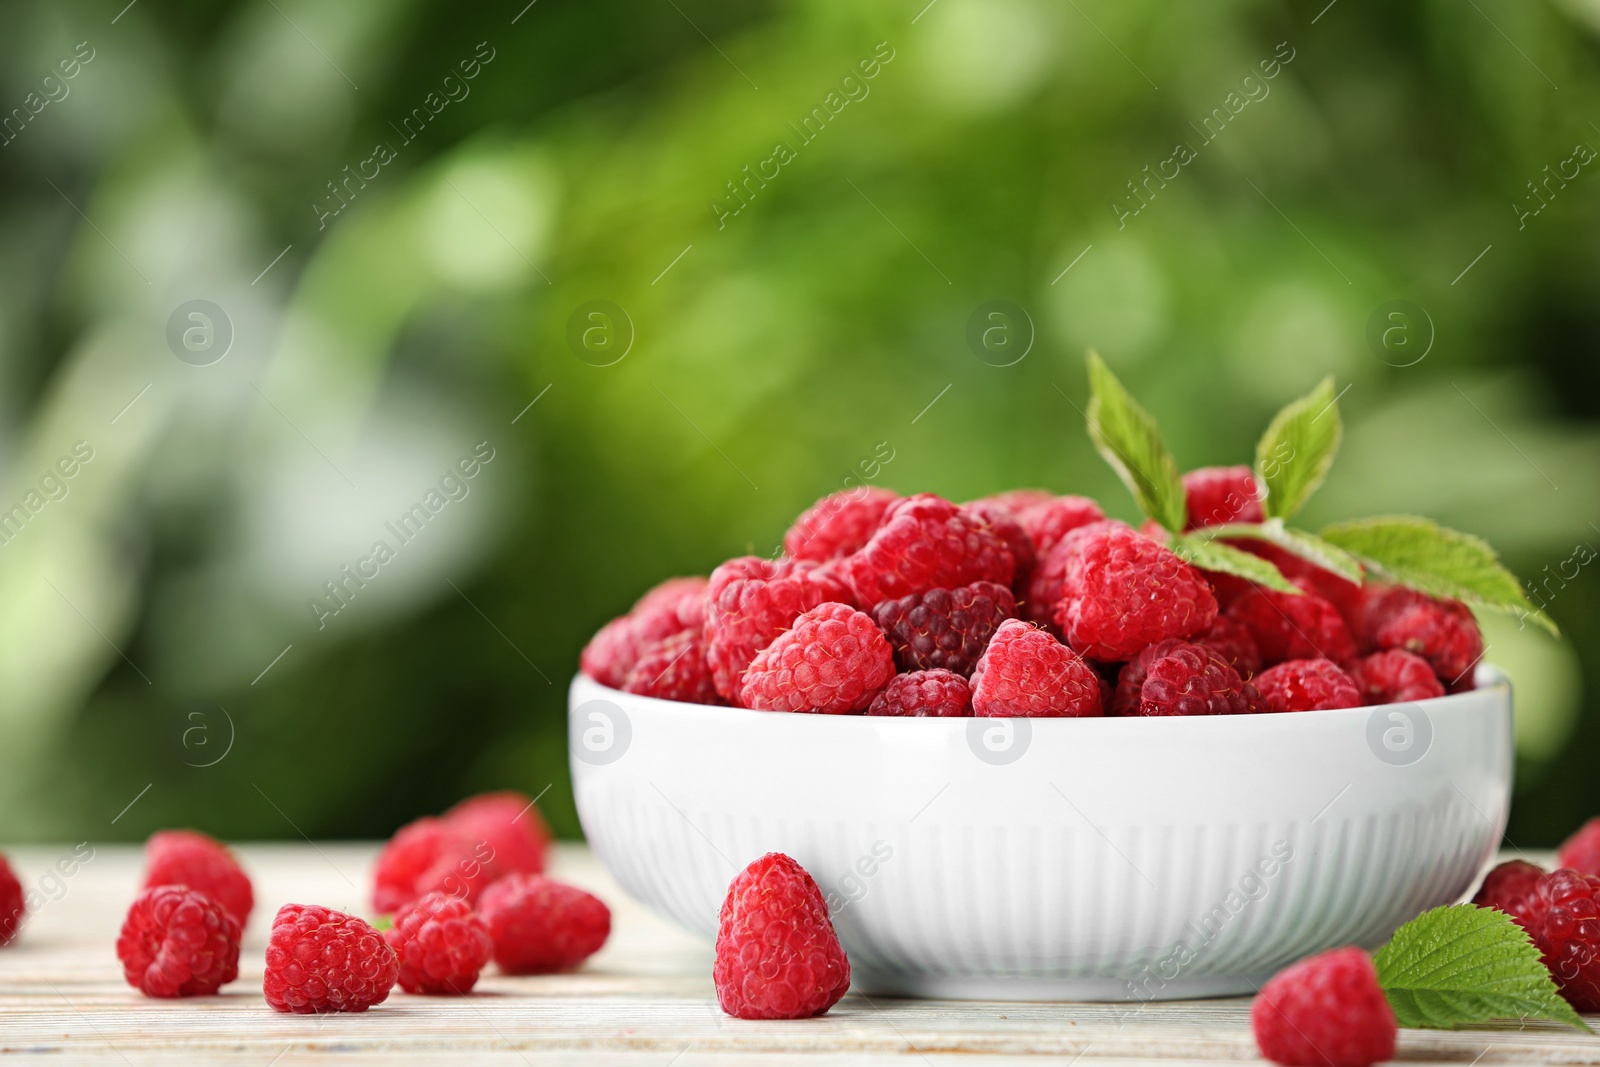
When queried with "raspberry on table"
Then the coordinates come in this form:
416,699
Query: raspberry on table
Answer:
926,542
673,606
178,942
1025,672
1513,887
1395,677
751,601
1220,495
426,855
1048,521
320,961
187,857
1123,591
1287,626
539,926
1580,852
440,945
1568,935
834,660
934,693
838,524
674,668
1233,642
1326,1010
509,824
1175,677
947,628
1307,685
1443,632
13,902
1003,523
777,956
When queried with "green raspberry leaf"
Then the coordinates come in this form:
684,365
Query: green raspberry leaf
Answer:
1307,546
1460,965
1436,560
1294,455
1200,550
1126,435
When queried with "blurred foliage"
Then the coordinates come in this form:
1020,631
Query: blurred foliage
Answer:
774,350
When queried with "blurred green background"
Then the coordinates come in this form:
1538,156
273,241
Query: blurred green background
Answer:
389,318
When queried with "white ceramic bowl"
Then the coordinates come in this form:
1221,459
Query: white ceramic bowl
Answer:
1043,859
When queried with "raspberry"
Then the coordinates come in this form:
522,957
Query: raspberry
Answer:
185,857
1307,685
509,825
946,628
1328,1009
1288,626
1443,632
1580,852
1025,672
751,601
1343,594
178,942
320,960
1220,495
935,693
1395,677
1017,501
1049,521
440,945
926,542
777,954
13,903
834,660
1234,643
1513,887
539,926
838,524
1568,935
610,653
1175,677
426,855
674,668
675,605
1003,524
1124,591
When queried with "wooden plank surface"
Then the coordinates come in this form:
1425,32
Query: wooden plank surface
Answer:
645,999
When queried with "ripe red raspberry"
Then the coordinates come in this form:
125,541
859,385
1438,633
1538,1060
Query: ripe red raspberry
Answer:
838,524
946,628
1513,887
674,668
1327,1010
1580,852
1220,495
178,942
675,605
1025,672
926,542
1443,632
835,660
426,855
1048,521
777,954
935,693
1234,643
185,857
1175,677
1017,501
1288,626
440,945
1003,523
1124,591
13,903
320,960
1306,685
750,602
539,926
1395,677
509,824
1568,935
1343,594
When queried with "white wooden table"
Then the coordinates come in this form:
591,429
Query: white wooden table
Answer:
645,999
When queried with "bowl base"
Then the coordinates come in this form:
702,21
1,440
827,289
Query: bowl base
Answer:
1097,990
